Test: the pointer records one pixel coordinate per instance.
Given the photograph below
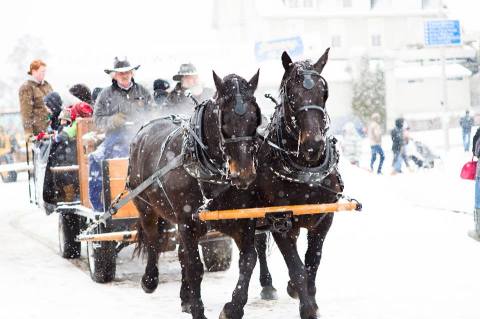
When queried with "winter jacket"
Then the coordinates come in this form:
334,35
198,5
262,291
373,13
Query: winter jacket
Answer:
183,104
374,133
135,103
475,147
32,107
466,122
398,139
67,133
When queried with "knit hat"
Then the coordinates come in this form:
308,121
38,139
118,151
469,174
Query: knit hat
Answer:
65,115
82,92
161,84
54,102
81,109
185,69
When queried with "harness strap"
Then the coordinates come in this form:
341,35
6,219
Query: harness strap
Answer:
171,165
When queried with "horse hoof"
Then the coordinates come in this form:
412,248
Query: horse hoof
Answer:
292,292
149,285
186,307
269,293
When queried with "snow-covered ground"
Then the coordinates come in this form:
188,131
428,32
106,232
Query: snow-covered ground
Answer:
407,255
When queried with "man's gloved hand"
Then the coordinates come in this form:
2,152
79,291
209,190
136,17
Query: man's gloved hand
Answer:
118,120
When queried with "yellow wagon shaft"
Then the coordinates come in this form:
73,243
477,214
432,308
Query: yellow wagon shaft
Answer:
113,236
296,210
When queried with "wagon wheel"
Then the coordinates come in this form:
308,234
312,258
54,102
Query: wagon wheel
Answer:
101,257
68,229
217,254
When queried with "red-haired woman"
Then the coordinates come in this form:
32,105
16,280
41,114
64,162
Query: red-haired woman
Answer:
31,94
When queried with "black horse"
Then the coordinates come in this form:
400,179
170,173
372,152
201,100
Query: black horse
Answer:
205,158
299,166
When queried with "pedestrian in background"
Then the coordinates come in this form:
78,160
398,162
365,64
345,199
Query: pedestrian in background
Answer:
375,136
398,142
351,144
466,123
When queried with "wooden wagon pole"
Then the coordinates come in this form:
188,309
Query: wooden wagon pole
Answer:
296,210
115,236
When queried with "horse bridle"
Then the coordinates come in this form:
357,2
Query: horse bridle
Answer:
239,109
308,83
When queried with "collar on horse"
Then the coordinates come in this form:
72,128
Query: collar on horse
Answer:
285,167
197,162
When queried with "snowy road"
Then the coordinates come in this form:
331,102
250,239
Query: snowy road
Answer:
407,255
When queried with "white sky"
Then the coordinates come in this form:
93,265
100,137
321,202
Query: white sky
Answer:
86,35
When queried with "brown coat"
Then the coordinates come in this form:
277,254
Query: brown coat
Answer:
33,110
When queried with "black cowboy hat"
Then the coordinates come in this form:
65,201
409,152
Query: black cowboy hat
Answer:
121,66
185,69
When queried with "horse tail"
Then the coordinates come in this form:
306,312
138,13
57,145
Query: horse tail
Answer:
140,247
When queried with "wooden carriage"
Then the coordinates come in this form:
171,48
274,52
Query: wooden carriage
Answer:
106,240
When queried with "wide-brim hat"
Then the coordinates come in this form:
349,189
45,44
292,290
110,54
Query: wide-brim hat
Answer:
185,69
121,66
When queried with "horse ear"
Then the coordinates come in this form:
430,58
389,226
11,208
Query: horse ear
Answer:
286,60
218,82
253,83
322,61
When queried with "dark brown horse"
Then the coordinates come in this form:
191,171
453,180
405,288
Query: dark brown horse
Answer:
299,166
215,151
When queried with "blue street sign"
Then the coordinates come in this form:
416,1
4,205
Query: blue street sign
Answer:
442,33
267,50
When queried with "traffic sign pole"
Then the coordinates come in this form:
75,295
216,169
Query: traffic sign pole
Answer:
442,34
445,118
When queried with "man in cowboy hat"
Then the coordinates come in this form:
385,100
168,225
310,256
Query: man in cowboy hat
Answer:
119,111
188,82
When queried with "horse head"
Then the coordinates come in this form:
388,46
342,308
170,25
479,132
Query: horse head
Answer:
238,119
304,93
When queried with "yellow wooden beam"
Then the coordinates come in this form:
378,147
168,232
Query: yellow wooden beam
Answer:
260,212
115,236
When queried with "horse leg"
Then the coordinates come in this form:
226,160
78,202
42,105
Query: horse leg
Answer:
268,291
151,240
245,240
184,290
288,247
313,255
193,269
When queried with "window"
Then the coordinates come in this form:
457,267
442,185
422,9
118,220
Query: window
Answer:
336,41
415,80
291,3
373,3
347,3
425,4
376,40
308,3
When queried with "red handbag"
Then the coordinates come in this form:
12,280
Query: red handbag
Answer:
469,170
